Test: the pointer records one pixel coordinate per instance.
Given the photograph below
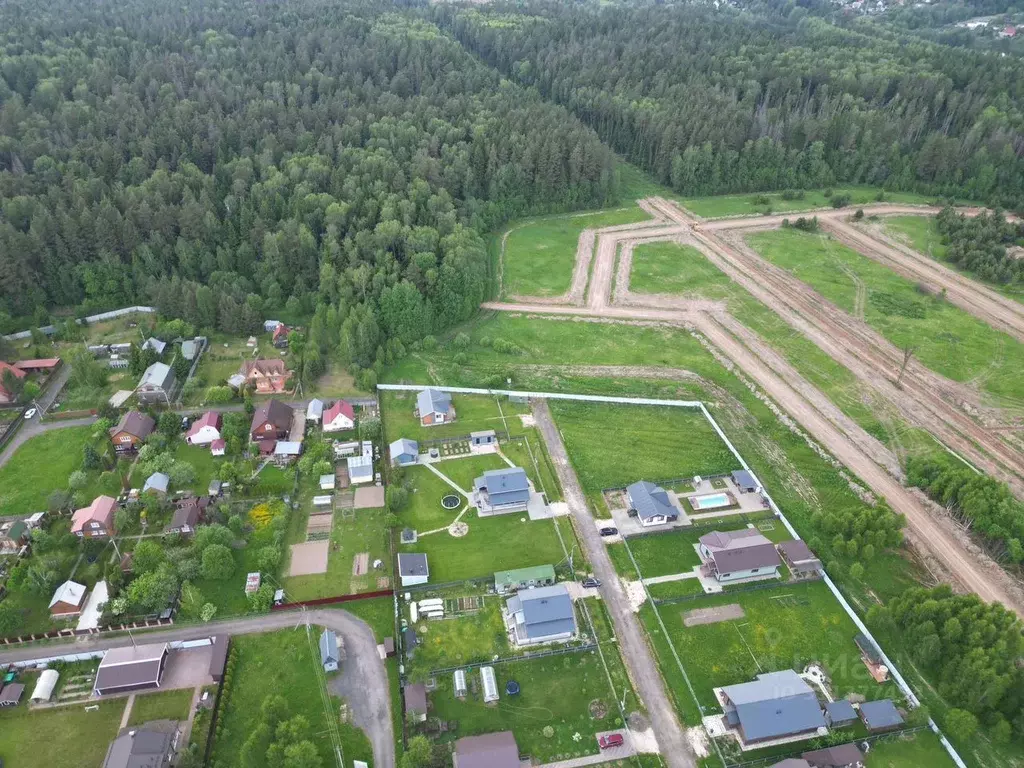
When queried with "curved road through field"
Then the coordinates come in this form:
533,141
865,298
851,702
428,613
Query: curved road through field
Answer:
362,671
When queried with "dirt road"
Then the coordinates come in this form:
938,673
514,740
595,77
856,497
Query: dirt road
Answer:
674,748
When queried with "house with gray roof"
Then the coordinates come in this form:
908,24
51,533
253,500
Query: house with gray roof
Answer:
156,385
413,569
158,482
880,716
840,713
735,556
776,705
415,697
150,745
650,504
330,656
154,344
434,407
489,750
744,481
500,491
404,452
541,615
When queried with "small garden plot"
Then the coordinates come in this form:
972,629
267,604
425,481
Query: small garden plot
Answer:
554,703
165,705
614,445
472,413
462,639
788,627
279,664
463,472
494,544
64,737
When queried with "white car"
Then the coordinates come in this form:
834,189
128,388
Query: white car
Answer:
30,413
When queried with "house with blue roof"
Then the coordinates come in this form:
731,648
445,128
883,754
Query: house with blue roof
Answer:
650,504
501,491
541,615
776,706
404,452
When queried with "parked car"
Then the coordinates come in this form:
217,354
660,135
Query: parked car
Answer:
590,582
609,531
30,413
185,423
611,740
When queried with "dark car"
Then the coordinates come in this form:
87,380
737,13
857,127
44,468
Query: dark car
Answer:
185,423
609,531
590,582
611,740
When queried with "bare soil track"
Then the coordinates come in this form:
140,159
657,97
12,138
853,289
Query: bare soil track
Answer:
926,399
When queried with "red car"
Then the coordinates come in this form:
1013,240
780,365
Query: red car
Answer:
611,740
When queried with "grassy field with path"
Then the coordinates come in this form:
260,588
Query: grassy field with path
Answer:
754,203
676,269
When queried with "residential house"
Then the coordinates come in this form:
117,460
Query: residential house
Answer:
218,447
205,429
188,513
777,705
415,696
650,504
434,407
190,348
150,745
541,615
489,750
131,431
156,385
412,568
742,555
744,481
155,344
523,578
157,483
314,410
43,365
131,668
279,336
9,395
880,716
339,417
404,452
841,756
271,421
96,520
13,535
798,557
67,600
330,655
286,451
840,713
360,468
266,377
500,491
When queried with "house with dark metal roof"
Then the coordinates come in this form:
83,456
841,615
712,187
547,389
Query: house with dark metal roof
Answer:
11,694
798,556
150,745
650,504
131,668
413,569
733,556
489,750
434,407
776,705
272,420
841,756
415,696
501,491
880,716
744,481
541,615
840,713
188,512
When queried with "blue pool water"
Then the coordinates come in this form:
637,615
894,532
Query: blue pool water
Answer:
710,502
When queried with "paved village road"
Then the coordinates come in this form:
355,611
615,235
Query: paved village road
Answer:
364,668
672,743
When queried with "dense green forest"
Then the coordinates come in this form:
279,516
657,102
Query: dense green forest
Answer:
981,244
714,101
232,158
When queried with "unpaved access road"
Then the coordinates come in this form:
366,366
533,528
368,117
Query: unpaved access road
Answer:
674,748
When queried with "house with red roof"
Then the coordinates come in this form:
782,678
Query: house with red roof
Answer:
339,416
6,370
96,520
205,430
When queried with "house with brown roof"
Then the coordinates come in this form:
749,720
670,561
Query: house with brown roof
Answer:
6,369
841,756
96,520
271,421
279,338
67,600
743,555
266,377
130,432
188,513
798,556
131,668
205,429
489,750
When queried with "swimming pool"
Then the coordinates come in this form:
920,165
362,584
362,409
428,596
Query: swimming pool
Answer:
714,501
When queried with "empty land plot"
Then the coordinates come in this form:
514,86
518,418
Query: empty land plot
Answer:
478,636
615,445
662,554
40,466
921,749
309,558
539,255
64,737
369,497
464,471
784,628
493,544
472,413
672,268
774,202
946,338
165,705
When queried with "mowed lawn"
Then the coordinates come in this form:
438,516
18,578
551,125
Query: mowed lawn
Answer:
612,446
64,737
472,413
554,692
677,269
423,511
752,203
165,705
947,339
40,466
922,749
274,663
784,628
492,544
539,254
464,471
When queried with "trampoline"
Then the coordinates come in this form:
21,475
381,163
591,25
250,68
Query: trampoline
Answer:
451,501
511,688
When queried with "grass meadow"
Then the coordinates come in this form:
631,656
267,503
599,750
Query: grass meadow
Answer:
162,705
677,269
64,737
752,204
40,466
472,413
